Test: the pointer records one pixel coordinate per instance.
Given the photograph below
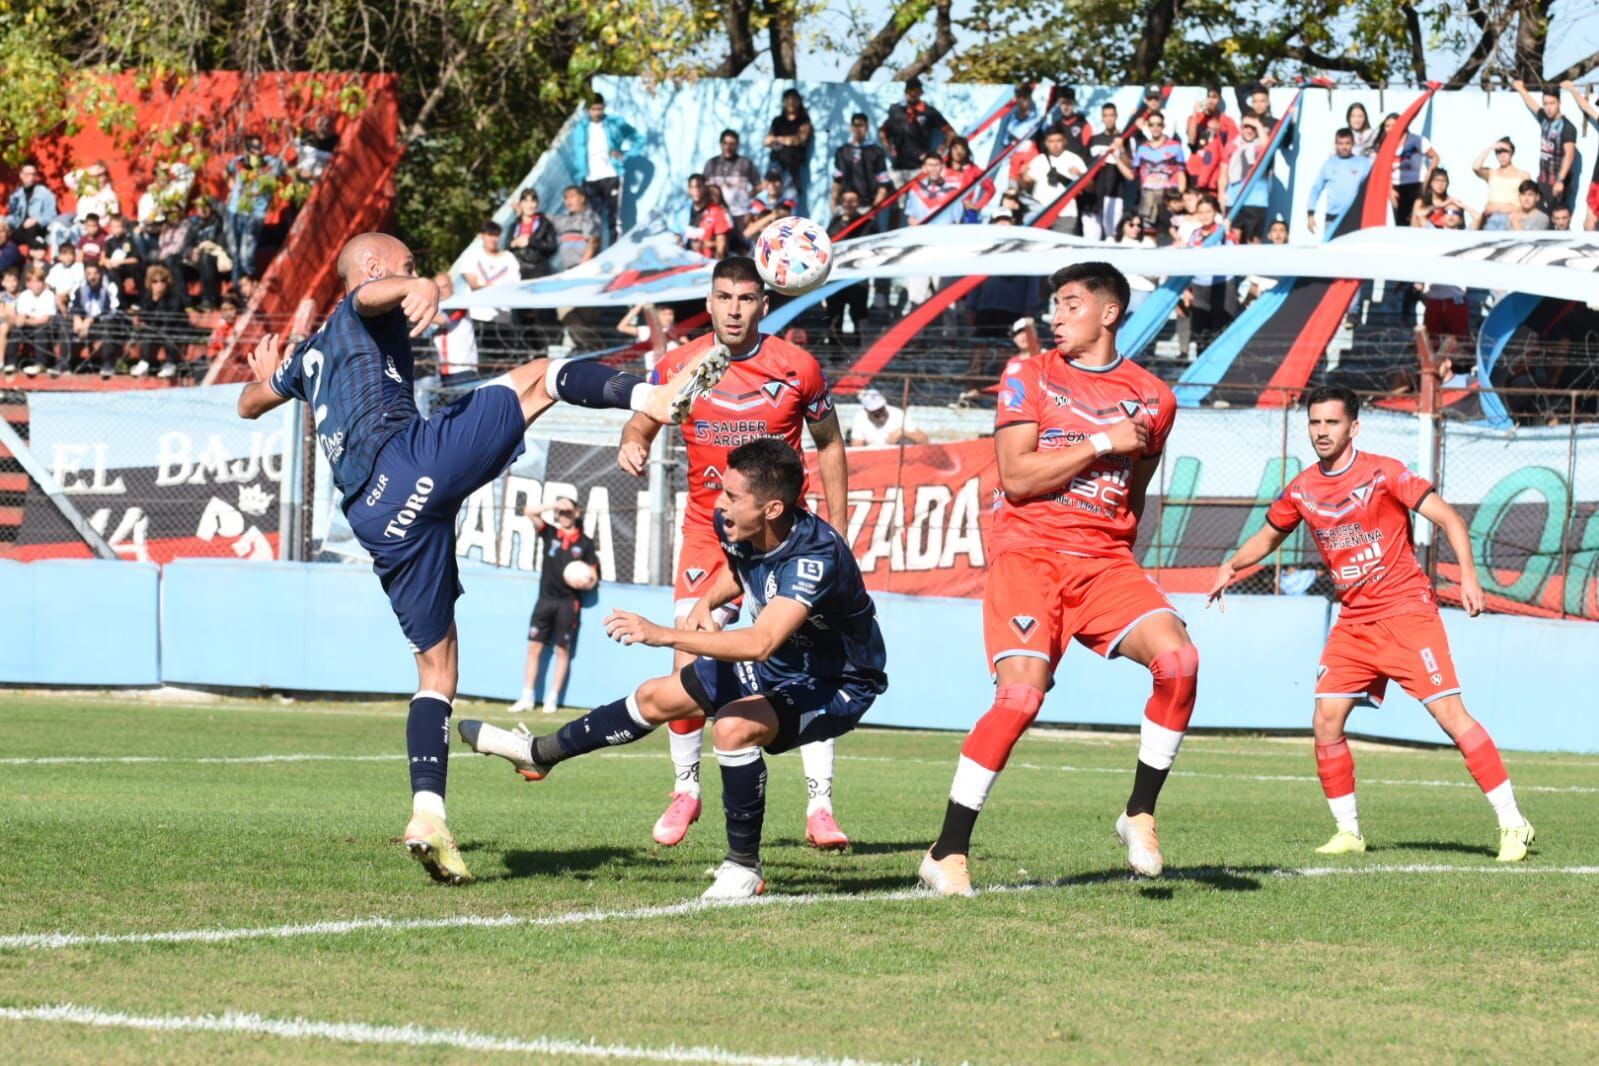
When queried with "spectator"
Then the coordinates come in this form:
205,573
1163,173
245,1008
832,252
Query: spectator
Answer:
166,197
1528,215
559,607
162,330
1588,108
861,167
635,326
1064,116
789,141
66,275
1560,218
222,328
1052,172
119,255
31,208
1504,183
314,147
577,230
1010,208
1021,114
1207,164
1213,298
1171,220
91,239
97,320
10,289
254,178
1340,178
95,196
1429,210
706,226
203,255
1446,314
931,190
1159,163
879,424
1249,215
996,304
453,334
490,266
964,173
769,204
602,145
852,298
533,240
36,331
1557,146
246,288
1185,218
1103,212
909,130
1358,123
1208,119
11,255
1255,99
1416,159
737,177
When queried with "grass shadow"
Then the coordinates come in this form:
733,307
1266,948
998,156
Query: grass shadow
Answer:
521,863
1446,845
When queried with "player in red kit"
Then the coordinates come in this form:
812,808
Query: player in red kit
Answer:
1358,505
771,389
1078,436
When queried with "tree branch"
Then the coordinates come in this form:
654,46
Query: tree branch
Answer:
740,41
780,30
1491,30
1418,47
1361,68
1159,19
1532,35
943,41
1576,70
905,15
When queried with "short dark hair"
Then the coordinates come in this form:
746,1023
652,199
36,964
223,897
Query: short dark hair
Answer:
1342,393
596,98
696,176
575,188
67,246
725,134
1211,199
1344,132
860,116
774,470
1529,186
736,268
94,215
491,227
913,82
1097,277
530,191
1213,87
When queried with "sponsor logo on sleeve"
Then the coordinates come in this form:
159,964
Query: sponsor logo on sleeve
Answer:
1024,624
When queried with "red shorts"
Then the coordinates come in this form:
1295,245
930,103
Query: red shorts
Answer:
700,561
1361,657
1593,199
1038,599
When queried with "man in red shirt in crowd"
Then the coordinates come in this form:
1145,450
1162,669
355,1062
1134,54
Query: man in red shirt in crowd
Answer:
1078,437
771,389
1358,505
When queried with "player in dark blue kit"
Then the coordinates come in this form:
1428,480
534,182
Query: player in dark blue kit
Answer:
404,477
806,670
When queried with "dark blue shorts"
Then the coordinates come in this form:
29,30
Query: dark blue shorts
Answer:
808,708
405,514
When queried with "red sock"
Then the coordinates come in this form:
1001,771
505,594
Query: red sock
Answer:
685,726
1482,758
990,742
1336,768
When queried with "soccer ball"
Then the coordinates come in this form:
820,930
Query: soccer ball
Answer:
580,575
794,255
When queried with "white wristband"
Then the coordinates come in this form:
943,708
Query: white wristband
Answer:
1101,443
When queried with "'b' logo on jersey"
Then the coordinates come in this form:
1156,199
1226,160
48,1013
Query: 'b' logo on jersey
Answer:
1024,625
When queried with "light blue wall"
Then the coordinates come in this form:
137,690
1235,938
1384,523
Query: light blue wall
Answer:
288,626
79,622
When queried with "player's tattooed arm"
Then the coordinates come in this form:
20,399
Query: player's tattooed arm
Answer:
633,456
833,462
1436,510
1267,540
1026,472
778,621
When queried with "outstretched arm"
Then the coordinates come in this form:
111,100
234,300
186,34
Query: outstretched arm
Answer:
1583,102
778,621
1437,511
1263,543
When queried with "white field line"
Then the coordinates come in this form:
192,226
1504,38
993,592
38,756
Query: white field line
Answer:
403,1035
292,757
343,927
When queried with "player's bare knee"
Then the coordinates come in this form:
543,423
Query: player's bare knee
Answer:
737,731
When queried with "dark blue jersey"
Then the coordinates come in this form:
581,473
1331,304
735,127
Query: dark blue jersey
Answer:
840,638
355,372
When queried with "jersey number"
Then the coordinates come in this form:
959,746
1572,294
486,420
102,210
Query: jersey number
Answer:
311,367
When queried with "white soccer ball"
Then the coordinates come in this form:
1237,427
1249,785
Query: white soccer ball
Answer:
580,575
794,255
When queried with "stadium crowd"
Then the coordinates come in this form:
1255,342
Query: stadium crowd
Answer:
146,282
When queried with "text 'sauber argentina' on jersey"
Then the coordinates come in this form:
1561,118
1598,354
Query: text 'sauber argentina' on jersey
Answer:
813,565
1360,516
356,373
1090,514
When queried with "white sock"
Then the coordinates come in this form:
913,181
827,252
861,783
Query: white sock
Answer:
640,396
550,703
549,376
427,803
527,695
818,761
686,758
973,781
1344,812
1503,799
1157,745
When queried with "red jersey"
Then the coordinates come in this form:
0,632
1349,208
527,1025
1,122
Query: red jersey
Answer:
1361,518
1069,402
771,392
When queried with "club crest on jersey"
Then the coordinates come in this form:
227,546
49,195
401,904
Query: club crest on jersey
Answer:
694,575
1131,408
773,390
1363,494
1024,624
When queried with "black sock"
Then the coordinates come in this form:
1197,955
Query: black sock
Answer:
956,836
1147,782
590,383
427,742
603,727
744,802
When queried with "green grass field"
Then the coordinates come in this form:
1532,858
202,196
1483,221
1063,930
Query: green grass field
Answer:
1251,947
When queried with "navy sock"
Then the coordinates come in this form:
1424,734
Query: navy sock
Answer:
603,727
590,383
744,802
427,742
